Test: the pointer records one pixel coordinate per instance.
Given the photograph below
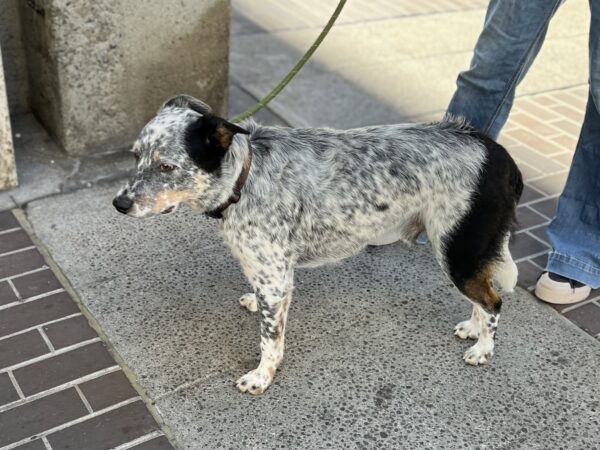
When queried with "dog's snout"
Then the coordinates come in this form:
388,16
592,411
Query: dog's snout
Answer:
122,203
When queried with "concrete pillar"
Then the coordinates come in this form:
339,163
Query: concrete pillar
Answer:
8,172
99,69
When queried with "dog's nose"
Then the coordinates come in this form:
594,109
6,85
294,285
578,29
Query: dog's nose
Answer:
123,204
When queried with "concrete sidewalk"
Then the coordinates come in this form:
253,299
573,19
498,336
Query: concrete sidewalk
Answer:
371,360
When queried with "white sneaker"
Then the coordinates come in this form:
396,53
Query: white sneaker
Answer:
554,288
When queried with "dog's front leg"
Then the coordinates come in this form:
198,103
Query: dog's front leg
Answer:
273,301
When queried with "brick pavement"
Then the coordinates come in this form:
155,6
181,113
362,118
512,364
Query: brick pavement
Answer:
60,388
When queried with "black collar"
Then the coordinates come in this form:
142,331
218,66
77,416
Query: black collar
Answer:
237,188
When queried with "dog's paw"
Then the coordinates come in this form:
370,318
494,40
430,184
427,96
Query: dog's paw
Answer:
248,301
467,329
479,354
256,381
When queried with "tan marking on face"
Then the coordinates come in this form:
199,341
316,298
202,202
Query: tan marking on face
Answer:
480,289
156,156
169,197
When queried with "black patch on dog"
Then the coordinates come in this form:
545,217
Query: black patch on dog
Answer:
207,139
478,238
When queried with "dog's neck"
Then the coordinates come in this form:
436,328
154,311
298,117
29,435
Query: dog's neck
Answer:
237,187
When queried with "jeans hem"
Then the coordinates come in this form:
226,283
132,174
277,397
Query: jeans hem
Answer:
573,268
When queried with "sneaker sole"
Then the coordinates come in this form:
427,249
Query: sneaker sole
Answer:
555,297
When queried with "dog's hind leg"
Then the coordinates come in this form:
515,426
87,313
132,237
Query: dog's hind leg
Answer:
487,304
273,296
472,274
504,273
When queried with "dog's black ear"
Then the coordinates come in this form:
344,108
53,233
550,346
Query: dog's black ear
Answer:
187,101
220,132
208,139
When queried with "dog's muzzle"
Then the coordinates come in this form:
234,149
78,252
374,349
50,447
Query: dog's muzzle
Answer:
122,203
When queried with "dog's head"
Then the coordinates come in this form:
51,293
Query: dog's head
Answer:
179,156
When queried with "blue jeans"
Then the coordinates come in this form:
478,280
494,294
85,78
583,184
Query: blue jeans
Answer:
513,33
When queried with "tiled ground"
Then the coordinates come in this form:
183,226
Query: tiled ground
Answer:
59,386
541,134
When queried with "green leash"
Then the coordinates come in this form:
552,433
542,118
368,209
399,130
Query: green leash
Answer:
292,73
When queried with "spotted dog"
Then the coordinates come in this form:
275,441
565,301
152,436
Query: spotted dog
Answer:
287,198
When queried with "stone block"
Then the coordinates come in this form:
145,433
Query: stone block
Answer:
98,70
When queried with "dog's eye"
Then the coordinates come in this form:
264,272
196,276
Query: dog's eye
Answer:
166,168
